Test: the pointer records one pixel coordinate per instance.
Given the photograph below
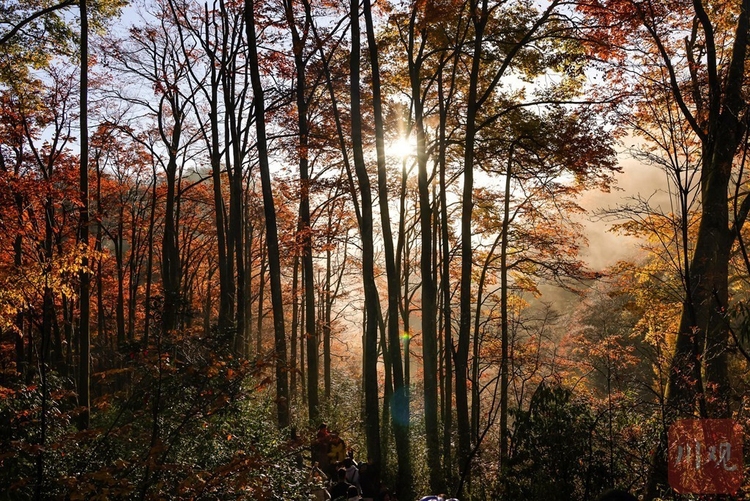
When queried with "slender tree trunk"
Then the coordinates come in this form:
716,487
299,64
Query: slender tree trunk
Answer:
250,231
68,307
400,404
327,322
504,321
403,270
171,269
21,359
236,197
370,341
21,362
100,317
48,301
467,204
476,342
445,285
119,258
207,301
302,351
429,290
224,249
261,300
304,235
282,385
135,261
148,312
295,327
84,334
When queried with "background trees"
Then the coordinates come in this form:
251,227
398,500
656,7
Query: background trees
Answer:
253,237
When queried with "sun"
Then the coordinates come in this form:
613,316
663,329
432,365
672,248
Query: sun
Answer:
401,148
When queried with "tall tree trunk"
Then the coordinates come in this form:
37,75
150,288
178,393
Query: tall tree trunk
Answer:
135,262
295,327
170,249
302,351
403,271
504,321
429,289
400,404
119,258
467,204
327,322
21,362
100,316
282,385
236,195
370,341
250,232
261,299
207,301
84,334
304,231
224,248
447,313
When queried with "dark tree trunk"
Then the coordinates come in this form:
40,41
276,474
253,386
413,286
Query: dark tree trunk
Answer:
261,300
119,258
304,230
250,232
370,341
429,289
170,248
224,248
84,334
399,406
295,326
447,314
467,205
327,323
505,338
282,385
21,362
148,312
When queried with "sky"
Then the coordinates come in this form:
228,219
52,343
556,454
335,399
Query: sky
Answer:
606,247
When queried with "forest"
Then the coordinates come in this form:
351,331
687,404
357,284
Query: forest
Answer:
223,223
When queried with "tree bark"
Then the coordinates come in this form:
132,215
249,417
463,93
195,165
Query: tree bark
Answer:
372,310
399,406
467,205
282,385
429,289
304,230
84,333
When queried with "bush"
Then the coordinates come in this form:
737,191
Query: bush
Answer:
554,455
185,420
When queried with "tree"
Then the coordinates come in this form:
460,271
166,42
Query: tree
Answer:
705,73
305,235
399,406
280,352
372,300
84,335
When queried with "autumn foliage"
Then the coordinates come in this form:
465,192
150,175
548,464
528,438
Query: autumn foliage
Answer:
209,243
